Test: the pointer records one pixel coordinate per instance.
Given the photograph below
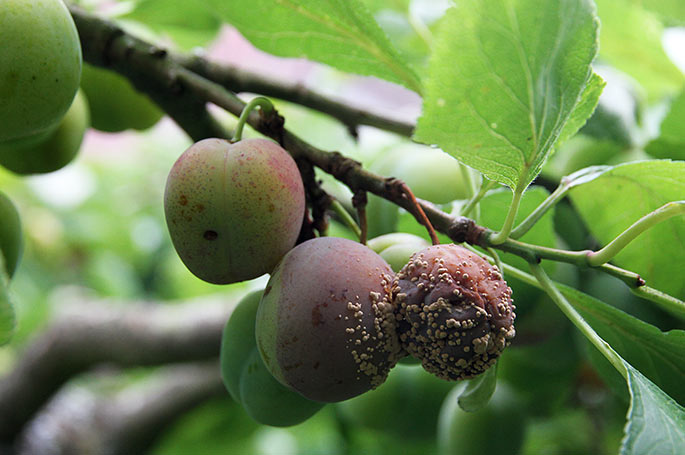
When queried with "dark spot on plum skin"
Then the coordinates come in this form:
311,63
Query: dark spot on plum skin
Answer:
210,235
317,318
183,200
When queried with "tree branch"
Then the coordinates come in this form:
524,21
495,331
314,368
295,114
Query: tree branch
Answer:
239,80
90,333
83,419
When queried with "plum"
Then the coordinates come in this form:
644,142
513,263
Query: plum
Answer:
246,378
233,209
40,66
326,326
456,312
114,104
52,152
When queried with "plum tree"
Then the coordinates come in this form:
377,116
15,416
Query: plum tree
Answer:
496,428
246,378
52,152
325,326
11,238
114,104
456,311
233,210
40,66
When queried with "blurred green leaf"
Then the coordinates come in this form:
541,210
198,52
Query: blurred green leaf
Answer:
188,24
671,140
670,11
340,33
619,197
656,423
630,40
505,79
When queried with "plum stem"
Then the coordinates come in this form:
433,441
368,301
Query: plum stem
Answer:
266,109
420,214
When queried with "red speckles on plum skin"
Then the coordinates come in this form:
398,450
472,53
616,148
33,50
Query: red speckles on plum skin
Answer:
224,185
339,308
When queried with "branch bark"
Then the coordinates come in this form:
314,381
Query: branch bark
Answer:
82,419
90,333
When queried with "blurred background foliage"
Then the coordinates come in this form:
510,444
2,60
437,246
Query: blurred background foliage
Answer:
99,224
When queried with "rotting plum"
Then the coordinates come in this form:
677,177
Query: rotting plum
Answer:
326,325
455,311
53,152
11,239
40,66
233,210
246,378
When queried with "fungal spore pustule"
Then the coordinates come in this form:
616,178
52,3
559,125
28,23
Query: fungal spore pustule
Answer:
454,311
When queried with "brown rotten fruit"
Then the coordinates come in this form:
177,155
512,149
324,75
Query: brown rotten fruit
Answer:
455,311
325,325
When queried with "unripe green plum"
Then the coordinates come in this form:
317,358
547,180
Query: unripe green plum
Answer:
40,66
397,248
326,326
115,105
246,378
238,341
11,238
430,173
233,210
268,401
27,156
497,428
406,405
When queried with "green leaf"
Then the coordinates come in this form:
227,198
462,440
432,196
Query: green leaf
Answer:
340,33
630,40
656,423
671,140
188,24
659,355
505,79
622,195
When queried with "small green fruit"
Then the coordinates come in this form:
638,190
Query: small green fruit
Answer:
40,66
49,153
497,428
325,326
268,401
430,173
11,239
238,341
406,405
233,210
114,104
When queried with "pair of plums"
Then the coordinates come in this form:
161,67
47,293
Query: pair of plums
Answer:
334,317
